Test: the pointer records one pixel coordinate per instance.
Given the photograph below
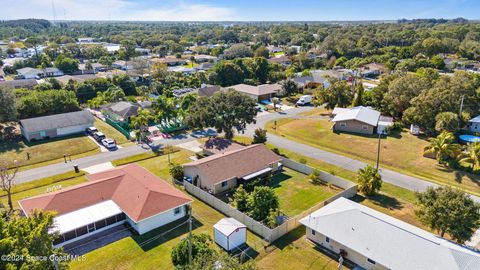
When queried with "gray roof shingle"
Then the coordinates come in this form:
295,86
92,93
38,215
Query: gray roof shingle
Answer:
57,121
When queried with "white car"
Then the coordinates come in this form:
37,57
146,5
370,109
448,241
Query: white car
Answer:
109,143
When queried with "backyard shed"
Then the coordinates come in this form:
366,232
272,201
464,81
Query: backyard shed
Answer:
230,233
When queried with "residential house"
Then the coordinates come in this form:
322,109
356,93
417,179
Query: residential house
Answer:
373,70
281,60
52,72
208,90
86,40
142,51
201,58
125,195
274,49
96,67
311,81
169,61
258,93
57,125
120,111
123,65
16,84
204,66
181,69
224,171
76,78
474,124
29,73
364,120
374,241
111,47
219,146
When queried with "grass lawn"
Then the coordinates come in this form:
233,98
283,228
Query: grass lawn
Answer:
403,153
47,152
293,251
110,132
297,194
40,186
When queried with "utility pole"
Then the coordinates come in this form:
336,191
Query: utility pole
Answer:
190,237
461,107
378,149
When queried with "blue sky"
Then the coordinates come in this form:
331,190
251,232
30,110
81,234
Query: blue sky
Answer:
245,10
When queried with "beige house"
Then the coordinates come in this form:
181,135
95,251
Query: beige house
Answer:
259,92
363,120
375,241
225,170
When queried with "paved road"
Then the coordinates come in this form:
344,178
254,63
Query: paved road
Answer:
389,176
84,162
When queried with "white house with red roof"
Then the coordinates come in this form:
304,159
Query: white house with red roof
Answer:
128,194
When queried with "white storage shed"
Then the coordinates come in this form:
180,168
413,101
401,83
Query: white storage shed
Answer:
230,233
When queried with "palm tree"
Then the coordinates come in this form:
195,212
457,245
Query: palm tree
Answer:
140,121
473,155
369,180
443,147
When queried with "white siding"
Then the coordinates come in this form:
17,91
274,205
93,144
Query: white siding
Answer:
220,239
237,238
73,129
159,220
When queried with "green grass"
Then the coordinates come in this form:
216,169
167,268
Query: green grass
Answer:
297,194
46,152
293,251
401,152
40,186
110,132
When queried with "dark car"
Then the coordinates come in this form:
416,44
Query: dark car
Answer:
99,136
91,130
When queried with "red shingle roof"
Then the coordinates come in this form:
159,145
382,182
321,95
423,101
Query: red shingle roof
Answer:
135,190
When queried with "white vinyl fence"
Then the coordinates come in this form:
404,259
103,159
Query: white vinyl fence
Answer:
270,235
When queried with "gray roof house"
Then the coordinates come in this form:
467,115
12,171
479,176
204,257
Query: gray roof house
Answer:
121,110
26,83
364,120
29,73
373,240
56,125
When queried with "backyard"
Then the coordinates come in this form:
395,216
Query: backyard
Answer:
402,152
297,193
152,250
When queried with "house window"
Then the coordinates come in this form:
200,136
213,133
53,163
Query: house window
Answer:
313,232
364,127
370,261
327,239
224,184
343,124
176,211
91,227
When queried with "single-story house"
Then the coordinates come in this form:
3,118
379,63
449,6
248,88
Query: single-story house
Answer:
123,65
274,49
169,61
474,124
96,67
373,69
281,60
311,81
206,90
181,69
204,66
120,111
52,72
76,78
56,125
219,145
29,73
199,58
26,83
373,240
360,119
260,92
224,171
128,194
230,233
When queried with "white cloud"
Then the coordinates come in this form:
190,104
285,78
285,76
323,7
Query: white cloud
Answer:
115,10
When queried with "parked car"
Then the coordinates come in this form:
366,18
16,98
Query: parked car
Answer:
99,136
91,130
109,143
304,100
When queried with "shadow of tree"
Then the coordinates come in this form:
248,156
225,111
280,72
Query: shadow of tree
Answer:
380,200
